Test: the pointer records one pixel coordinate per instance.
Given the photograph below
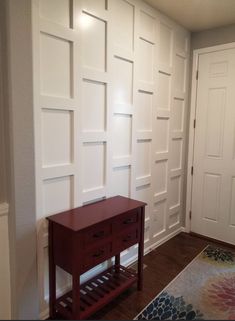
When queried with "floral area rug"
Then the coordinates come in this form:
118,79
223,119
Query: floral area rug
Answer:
204,290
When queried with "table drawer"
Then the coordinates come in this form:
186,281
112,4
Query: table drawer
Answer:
127,239
97,233
96,256
125,221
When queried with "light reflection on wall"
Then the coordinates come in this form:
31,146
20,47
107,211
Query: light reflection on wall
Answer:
85,21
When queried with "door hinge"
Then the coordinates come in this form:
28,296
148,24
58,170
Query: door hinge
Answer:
197,75
190,215
192,170
194,123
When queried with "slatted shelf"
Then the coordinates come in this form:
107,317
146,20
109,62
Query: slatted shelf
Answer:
98,291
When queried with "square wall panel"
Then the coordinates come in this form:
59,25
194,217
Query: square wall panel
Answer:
146,50
57,11
178,114
55,66
164,91
123,81
175,191
94,42
143,158
180,72
57,139
181,42
122,129
143,194
123,33
121,181
159,218
144,111
57,195
162,134
174,219
176,154
160,177
165,46
95,5
94,159
146,26
93,106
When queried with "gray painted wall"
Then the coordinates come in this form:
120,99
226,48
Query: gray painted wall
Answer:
213,37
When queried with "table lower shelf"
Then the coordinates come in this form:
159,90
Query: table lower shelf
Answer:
98,291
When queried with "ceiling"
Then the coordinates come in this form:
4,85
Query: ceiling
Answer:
197,15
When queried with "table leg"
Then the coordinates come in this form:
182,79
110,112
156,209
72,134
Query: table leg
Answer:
76,296
117,262
141,252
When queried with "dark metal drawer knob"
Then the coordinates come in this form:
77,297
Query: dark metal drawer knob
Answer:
98,234
128,221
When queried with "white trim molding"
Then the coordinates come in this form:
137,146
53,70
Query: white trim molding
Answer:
196,54
4,209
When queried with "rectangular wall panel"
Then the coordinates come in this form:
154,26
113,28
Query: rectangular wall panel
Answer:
162,134
146,63
56,137
122,128
121,181
94,42
144,110
164,88
143,162
93,165
123,81
123,32
57,11
94,106
56,66
57,195
160,177
178,114
165,49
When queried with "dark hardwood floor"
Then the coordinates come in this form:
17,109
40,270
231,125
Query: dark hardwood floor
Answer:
163,265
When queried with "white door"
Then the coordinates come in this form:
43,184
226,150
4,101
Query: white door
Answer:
213,194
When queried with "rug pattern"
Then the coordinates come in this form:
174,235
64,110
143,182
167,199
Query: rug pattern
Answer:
205,290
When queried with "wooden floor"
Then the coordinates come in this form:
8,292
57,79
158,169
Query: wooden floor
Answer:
163,265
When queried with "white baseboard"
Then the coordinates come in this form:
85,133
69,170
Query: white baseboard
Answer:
45,314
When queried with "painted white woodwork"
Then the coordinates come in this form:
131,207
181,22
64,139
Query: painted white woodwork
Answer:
110,113
213,191
5,310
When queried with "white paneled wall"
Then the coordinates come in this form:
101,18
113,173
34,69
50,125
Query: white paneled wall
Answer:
110,109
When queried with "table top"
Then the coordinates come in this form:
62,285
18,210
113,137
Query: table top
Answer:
81,217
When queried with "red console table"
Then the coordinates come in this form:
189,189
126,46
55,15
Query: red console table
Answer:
84,237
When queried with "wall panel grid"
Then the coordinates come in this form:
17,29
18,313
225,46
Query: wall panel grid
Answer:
110,110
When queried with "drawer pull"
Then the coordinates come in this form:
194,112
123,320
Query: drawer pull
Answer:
128,221
98,254
128,238
98,234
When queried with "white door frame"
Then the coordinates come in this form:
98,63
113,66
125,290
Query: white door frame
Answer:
193,102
